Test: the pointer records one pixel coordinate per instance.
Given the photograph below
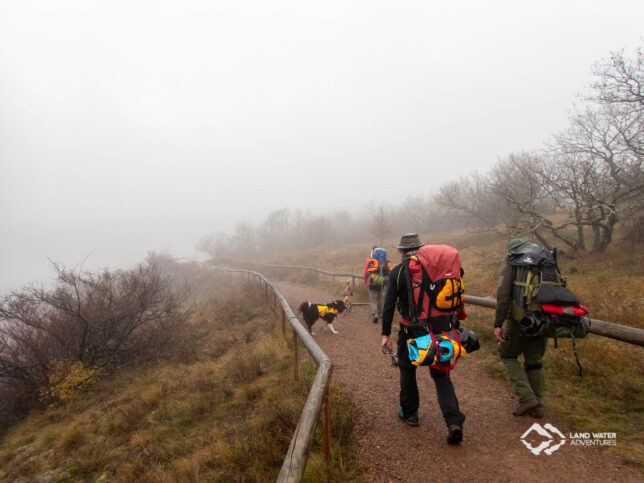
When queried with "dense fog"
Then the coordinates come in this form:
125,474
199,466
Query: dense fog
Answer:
134,127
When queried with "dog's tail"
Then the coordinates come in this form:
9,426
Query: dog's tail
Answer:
304,306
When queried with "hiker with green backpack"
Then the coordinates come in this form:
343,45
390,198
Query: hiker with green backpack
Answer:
377,268
532,304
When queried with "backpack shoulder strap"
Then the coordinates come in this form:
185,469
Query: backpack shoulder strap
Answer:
404,267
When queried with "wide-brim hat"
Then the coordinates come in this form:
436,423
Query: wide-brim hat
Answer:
410,240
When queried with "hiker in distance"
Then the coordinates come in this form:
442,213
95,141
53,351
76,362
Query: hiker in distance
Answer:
527,381
376,273
398,290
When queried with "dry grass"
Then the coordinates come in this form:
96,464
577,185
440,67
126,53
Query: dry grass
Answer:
229,415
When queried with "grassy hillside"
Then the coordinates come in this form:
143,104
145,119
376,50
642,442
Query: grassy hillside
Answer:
610,395
227,415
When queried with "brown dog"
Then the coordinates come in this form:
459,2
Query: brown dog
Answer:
348,292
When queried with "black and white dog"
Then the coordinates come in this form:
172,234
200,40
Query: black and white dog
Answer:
312,312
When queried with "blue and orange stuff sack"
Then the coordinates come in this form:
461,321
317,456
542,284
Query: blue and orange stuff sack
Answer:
436,292
451,346
378,267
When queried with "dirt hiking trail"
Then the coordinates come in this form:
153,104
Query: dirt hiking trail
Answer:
491,449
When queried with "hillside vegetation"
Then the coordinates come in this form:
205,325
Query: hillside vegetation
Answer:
610,395
228,414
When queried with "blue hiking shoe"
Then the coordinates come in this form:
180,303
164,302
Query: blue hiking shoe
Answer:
411,420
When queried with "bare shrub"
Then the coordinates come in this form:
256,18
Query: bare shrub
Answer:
98,319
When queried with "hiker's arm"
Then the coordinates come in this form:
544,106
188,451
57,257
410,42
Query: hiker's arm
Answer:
389,306
503,299
364,275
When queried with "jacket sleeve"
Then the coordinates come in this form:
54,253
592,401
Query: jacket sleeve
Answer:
364,275
503,295
387,268
391,296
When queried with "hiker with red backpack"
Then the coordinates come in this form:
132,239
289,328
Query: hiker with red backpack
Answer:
413,288
376,274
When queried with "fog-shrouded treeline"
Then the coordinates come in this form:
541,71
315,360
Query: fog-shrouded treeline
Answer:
585,182
293,229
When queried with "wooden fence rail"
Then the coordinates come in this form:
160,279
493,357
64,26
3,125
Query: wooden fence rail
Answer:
352,276
318,398
631,335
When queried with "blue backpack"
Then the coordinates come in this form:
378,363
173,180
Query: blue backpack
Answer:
380,254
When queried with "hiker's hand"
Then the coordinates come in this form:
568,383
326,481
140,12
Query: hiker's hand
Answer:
386,342
498,332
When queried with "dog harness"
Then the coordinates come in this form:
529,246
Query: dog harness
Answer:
323,310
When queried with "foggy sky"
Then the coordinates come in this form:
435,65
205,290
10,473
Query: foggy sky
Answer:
128,126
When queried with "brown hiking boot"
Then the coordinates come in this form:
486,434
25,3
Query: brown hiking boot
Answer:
524,407
538,412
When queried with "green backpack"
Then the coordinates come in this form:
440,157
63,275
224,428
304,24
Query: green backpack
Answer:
541,302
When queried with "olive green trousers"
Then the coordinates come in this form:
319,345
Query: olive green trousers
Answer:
527,380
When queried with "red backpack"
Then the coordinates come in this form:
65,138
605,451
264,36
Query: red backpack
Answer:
435,289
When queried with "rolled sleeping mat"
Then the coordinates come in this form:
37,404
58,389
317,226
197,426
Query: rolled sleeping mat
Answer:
422,351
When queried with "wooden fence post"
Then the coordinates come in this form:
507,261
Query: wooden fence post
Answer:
327,426
283,323
295,361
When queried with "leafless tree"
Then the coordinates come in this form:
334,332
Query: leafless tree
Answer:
216,245
274,232
524,182
244,240
315,231
473,199
592,171
603,148
380,226
619,81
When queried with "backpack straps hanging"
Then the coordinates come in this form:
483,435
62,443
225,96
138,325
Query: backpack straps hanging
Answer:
574,351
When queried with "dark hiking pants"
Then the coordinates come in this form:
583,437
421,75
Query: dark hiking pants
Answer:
409,397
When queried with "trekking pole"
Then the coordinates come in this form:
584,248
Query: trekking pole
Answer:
392,354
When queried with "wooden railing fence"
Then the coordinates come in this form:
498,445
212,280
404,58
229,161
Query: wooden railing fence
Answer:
318,398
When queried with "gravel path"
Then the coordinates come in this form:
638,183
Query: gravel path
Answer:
491,449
